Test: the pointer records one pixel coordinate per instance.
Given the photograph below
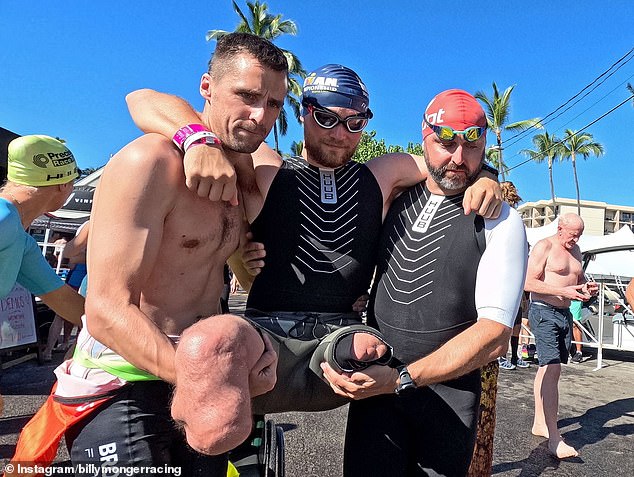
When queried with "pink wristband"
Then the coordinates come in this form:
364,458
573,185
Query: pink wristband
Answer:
183,133
202,137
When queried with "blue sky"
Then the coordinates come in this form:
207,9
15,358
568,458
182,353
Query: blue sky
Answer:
66,66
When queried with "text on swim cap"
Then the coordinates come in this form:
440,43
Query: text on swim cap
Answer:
61,175
436,118
58,159
320,83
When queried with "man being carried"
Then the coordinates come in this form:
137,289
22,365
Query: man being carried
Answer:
447,289
554,278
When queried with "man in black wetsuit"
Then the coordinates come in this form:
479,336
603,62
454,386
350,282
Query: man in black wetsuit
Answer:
446,292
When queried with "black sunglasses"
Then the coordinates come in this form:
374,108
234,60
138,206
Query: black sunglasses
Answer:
329,119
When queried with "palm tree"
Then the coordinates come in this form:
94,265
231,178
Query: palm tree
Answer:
493,156
297,147
548,147
266,25
498,110
578,143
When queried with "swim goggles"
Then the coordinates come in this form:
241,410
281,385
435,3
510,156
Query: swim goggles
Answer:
446,133
328,119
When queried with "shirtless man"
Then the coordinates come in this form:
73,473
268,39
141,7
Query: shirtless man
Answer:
554,277
157,253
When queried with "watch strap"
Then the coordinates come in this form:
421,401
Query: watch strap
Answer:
406,383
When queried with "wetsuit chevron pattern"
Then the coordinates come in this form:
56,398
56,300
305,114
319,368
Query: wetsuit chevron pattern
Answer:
426,270
320,229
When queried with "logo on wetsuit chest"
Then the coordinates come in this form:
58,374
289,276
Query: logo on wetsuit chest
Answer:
328,186
422,222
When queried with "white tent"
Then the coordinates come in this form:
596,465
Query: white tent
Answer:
613,254
535,234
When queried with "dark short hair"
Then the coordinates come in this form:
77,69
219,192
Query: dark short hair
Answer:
260,48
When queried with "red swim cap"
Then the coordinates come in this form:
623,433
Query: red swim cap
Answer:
454,108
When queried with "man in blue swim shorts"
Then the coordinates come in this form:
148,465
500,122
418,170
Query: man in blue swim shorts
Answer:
554,278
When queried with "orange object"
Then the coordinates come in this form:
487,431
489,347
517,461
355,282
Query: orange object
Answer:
39,440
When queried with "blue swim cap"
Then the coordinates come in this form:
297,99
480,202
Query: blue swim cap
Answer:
336,86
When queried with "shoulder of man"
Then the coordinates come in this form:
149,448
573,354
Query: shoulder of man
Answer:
148,157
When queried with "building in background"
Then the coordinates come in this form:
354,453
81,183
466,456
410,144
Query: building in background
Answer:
600,218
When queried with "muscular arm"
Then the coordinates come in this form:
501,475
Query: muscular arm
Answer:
207,171
473,348
135,194
397,171
160,113
478,345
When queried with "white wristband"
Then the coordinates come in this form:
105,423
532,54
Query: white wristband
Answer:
201,137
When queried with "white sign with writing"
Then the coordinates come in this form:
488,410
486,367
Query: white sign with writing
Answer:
17,318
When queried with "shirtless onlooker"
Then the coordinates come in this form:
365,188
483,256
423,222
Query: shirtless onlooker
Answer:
157,253
554,277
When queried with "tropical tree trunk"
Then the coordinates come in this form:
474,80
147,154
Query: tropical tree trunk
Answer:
499,138
552,185
482,460
574,171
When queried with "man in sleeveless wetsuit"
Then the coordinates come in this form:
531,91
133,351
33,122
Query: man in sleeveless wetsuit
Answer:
447,289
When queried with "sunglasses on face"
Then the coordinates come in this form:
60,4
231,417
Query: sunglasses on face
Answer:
445,133
328,119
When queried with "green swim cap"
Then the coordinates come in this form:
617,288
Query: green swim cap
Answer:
40,161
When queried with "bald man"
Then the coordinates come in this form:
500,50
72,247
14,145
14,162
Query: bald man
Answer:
554,278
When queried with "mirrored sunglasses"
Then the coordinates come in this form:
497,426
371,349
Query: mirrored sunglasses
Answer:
328,119
445,133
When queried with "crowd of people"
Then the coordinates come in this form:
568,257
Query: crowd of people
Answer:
162,373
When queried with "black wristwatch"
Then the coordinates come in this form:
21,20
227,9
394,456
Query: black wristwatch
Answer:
491,169
406,383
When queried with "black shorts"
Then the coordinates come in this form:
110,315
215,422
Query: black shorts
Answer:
552,328
135,429
430,431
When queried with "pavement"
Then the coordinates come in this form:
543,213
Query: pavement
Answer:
596,416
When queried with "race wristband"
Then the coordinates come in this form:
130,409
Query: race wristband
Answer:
186,131
202,137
